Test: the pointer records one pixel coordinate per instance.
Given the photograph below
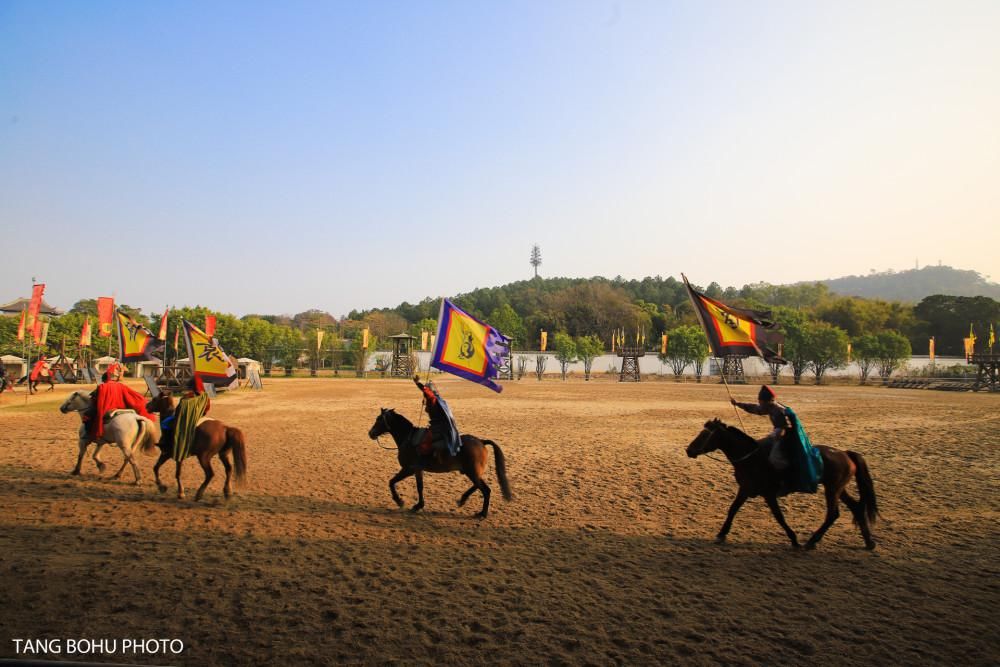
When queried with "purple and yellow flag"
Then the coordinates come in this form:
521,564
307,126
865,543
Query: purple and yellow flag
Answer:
736,331
467,347
135,342
208,360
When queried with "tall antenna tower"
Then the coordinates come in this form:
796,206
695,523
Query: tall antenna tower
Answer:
536,257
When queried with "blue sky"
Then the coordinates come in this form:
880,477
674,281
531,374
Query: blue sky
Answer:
275,157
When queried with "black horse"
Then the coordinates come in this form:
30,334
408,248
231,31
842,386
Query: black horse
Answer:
756,478
470,461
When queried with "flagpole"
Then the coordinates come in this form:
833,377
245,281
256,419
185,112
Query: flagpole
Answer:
704,329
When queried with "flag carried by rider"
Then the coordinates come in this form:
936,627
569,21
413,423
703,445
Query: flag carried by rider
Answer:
208,360
467,347
135,342
733,330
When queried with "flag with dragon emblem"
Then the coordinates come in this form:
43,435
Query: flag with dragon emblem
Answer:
135,342
208,360
467,347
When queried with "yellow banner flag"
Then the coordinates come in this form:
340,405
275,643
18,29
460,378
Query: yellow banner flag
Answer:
545,340
319,339
208,360
930,349
663,344
364,339
135,342
45,333
423,341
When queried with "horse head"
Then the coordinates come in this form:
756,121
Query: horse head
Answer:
706,441
78,401
382,423
163,402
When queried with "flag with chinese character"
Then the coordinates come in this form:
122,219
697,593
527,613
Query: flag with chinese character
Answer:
135,342
736,331
467,347
208,360
105,315
85,333
20,327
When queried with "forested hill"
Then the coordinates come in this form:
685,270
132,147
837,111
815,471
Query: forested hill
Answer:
914,285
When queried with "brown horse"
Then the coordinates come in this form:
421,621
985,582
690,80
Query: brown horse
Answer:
470,461
756,478
211,438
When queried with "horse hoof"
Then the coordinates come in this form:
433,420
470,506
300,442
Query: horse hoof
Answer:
796,546
75,472
721,539
416,508
399,503
481,515
870,545
162,488
101,467
810,546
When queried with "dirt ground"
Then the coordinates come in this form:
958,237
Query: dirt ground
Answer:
605,555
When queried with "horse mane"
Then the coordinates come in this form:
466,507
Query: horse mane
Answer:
400,417
738,433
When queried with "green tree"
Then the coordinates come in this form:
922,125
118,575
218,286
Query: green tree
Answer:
505,320
866,352
827,348
893,350
686,345
565,351
589,348
795,326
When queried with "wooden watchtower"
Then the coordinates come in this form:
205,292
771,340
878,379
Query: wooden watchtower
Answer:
630,362
732,369
402,355
988,376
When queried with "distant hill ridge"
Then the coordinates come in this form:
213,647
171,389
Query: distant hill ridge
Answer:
914,284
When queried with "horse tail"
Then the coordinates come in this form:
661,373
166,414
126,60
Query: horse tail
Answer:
236,442
869,504
148,435
501,464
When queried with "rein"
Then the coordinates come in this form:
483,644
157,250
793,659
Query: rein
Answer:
734,461
388,429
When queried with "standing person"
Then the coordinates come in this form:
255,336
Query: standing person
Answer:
444,433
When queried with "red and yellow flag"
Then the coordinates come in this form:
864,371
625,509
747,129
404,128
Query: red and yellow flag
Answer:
85,333
43,334
35,306
135,342
736,331
105,315
163,325
20,327
208,360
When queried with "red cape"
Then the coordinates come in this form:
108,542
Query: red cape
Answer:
37,370
116,396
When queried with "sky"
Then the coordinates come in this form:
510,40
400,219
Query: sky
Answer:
272,157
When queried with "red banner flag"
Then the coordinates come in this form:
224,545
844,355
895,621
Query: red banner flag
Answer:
105,315
85,333
163,325
209,325
36,299
20,327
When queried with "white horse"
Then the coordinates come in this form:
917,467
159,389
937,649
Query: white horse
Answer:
125,429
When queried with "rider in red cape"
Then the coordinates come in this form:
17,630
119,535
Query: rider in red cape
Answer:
113,395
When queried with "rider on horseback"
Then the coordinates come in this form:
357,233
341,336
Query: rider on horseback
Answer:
767,406
441,438
792,455
112,395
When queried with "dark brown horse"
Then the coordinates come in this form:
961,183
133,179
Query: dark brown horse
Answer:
211,438
756,478
470,461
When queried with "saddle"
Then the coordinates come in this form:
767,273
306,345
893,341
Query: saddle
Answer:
423,441
111,414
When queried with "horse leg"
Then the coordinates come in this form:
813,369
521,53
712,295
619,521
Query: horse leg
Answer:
206,464
465,496
772,502
832,512
486,491
859,518
399,477
79,459
227,488
101,465
180,485
420,492
741,497
124,463
156,471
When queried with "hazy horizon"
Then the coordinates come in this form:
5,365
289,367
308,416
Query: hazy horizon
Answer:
252,157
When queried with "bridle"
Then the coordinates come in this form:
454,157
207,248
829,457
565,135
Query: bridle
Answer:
388,429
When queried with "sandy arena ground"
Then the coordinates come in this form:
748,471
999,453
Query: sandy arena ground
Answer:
604,556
